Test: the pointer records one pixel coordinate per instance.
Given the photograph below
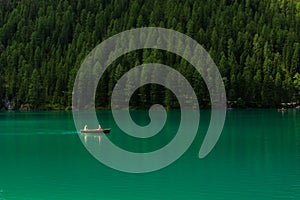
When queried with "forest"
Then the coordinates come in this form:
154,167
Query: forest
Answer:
254,43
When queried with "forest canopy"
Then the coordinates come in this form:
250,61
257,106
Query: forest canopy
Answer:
254,43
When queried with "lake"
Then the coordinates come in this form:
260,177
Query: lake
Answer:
256,157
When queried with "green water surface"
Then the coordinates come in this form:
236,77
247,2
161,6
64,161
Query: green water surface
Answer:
257,157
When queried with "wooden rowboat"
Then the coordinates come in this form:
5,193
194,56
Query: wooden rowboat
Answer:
105,131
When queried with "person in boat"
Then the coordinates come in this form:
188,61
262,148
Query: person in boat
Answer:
99,128
85,127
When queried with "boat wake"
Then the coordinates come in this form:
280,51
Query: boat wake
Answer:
58,132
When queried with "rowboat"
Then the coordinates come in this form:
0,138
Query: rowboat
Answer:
105,131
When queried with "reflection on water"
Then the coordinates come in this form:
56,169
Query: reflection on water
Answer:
90,137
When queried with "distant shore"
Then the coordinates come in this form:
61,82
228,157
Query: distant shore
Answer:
56,107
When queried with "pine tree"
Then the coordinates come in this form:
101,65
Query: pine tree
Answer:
35,90
255,44
297,85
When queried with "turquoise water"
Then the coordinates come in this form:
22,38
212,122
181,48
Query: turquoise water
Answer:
257,157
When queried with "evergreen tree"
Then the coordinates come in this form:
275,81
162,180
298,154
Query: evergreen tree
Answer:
35,90
297,85
255,45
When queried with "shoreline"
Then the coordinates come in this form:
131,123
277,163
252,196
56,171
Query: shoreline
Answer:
138,109
230,105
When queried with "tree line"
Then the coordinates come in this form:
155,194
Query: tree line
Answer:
254,43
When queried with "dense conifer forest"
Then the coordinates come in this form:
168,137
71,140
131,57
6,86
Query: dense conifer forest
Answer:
255,44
